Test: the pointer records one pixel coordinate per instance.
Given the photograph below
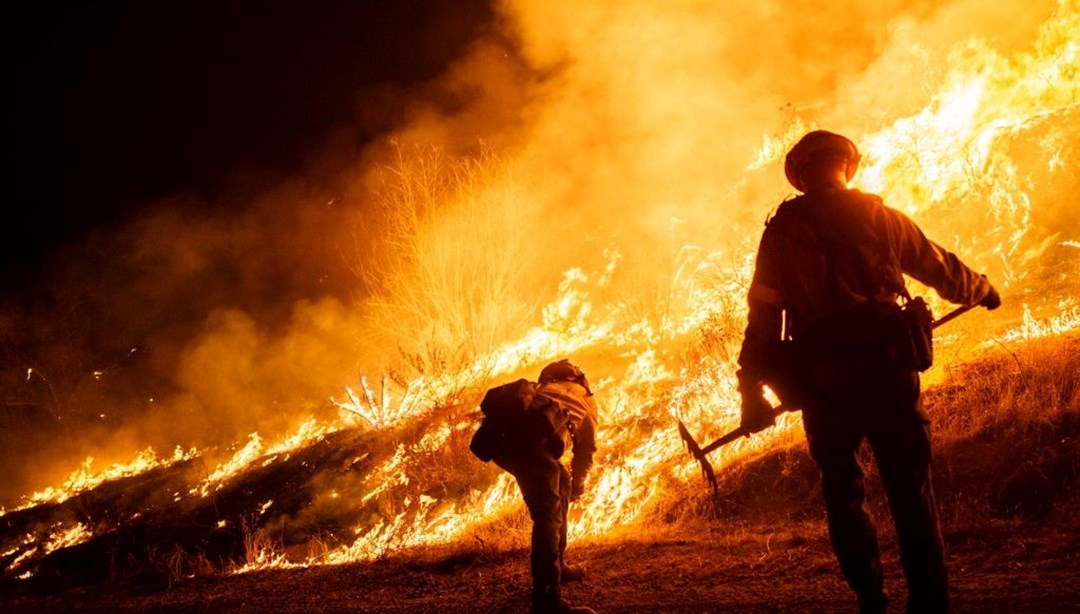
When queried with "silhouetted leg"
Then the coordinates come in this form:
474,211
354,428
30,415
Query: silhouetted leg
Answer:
540,482
903,456
564,502
851,529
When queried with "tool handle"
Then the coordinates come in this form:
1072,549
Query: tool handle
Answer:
726,439
742,432
955,313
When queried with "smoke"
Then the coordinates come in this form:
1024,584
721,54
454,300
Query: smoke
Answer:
913,59
192,325
643,129
657,111
633,127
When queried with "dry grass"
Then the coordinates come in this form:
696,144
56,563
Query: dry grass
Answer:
1006,434
1007,429
447,257
717,568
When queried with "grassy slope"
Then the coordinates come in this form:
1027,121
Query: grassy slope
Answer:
1007,432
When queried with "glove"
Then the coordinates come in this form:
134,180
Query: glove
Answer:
992,300
757,413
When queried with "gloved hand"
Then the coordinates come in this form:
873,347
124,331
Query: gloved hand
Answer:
992,300
757,413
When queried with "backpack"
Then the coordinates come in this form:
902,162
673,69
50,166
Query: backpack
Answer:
516,416
503,408
876,332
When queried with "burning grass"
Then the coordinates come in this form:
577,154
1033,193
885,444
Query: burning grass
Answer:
473,270
446,256
1007,431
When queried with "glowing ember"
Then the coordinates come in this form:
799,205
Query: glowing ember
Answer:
253,450
59,536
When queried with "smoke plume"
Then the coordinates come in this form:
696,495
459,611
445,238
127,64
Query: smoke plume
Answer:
633,128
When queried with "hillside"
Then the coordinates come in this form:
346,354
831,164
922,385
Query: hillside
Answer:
1007,430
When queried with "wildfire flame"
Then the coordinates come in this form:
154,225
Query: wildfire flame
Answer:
84,479
961,148
968,166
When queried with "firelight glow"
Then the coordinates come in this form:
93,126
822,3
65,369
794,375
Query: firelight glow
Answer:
974,155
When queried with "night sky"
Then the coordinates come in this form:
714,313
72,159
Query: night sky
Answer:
147,138
112,105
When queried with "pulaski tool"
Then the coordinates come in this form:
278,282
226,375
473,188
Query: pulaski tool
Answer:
701,453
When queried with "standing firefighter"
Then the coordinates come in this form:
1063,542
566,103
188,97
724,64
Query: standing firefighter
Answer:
826,286
527,430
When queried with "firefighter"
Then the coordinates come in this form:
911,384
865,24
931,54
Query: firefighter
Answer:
546,484
827,280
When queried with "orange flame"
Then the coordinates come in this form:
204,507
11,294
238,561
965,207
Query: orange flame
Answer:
84,479
958,149
961,165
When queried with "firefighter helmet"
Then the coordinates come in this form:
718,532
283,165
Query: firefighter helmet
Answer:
563,371
815,145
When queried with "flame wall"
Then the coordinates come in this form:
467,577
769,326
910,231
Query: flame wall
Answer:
631,152
654,136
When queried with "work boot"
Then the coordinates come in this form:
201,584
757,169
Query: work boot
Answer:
572,573
550,601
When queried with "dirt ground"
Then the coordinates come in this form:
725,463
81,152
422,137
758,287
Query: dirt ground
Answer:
1007,567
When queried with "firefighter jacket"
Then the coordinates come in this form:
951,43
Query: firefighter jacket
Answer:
579,436
828,251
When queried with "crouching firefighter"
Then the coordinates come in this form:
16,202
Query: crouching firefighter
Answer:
528,429
826,296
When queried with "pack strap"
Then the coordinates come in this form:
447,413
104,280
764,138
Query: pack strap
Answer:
832,251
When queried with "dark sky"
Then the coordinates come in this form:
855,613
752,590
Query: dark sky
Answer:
110,105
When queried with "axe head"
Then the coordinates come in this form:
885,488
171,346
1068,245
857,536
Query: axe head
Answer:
691,445
695,450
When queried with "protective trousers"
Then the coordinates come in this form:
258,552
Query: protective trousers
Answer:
884,409
545,486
